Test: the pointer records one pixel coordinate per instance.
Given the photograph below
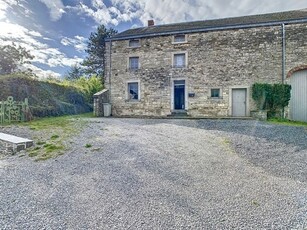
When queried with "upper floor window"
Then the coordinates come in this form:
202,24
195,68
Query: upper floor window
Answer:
134,63
179,38
179,60
134,43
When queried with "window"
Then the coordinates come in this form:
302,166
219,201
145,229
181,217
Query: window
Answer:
215,93
133,91
133,63
179,38
134,43
179,60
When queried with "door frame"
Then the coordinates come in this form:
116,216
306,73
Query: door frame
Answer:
173,93
247,104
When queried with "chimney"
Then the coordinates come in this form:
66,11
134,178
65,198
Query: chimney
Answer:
151,22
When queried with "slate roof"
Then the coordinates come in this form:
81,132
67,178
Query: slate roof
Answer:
216,24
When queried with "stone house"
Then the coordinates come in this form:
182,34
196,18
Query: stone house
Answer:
205,68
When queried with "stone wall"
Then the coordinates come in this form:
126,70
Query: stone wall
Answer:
221,59
99,99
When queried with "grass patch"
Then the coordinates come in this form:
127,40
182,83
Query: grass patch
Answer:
88,146
53,137
56,122
51,147
33,153
41,142
282,121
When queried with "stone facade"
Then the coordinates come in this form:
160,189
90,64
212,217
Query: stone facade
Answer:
100,98
222,59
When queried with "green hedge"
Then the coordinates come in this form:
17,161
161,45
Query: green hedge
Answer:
271,97
45,98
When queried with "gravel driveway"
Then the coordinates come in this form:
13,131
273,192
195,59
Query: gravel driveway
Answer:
163,174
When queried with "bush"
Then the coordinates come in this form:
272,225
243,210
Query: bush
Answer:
88,86
45,98
271,97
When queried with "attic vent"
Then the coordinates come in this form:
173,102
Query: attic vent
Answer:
151,22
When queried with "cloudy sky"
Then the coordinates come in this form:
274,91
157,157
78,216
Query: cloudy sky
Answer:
56,31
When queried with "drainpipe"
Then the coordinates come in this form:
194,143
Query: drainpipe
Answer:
110,69
283,61
283,53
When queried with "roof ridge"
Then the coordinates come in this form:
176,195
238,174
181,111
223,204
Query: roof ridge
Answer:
215,23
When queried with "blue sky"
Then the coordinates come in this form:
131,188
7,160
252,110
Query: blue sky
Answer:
56,31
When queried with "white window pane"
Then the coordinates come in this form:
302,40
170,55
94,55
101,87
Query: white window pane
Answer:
179,60
179,38
134,63
134,43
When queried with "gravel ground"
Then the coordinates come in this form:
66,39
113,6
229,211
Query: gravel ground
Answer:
162,174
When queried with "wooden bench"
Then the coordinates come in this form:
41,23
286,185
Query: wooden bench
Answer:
13,143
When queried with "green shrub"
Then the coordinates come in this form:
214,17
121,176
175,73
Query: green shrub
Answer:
271,97
45,98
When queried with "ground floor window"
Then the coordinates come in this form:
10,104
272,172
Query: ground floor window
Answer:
215,93
133,91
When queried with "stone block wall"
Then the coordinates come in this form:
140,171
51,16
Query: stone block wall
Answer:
220,59
99,99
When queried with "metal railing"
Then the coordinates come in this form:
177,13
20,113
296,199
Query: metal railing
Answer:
11,110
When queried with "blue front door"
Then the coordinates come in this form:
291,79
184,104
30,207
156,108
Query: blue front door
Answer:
179,95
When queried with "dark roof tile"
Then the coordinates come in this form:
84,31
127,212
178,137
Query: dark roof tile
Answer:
212,24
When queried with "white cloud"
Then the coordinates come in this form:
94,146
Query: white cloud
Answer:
101,14
42,74
78,42
5,5
171,11
43,54
56,8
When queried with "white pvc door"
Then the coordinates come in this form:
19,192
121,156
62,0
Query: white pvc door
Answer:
298,101
239,102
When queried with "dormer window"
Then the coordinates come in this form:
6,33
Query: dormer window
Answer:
134,43
180,38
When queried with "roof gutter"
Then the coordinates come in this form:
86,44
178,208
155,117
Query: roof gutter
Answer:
241,26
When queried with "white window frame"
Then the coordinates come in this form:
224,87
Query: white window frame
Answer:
139,45
186,60
128,93
220,93
139,65
180,42
186,102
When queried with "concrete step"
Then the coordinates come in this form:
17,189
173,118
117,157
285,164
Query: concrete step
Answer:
178,114
13,143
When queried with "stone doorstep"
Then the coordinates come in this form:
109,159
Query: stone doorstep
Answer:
13,144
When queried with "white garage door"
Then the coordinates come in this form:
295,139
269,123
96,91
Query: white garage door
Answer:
298,101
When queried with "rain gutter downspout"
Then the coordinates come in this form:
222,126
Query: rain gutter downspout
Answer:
110,70
283,60
283,53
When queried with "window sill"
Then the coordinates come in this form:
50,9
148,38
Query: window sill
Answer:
133,101
133,70
133,47
175,43
215,98
179,67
